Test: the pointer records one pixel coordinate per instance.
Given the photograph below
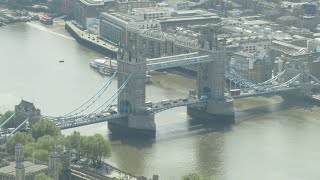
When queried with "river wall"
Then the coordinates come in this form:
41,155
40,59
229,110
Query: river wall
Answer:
77,33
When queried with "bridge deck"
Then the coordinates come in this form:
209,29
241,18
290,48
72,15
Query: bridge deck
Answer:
177,60
161,106
65,124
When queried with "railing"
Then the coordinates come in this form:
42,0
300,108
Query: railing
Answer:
90,120
176,61
161,106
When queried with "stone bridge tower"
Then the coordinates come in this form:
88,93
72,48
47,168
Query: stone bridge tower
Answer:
131,100
211,83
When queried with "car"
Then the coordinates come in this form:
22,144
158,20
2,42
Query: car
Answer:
185,100
175,101
165,102
106,114
203,97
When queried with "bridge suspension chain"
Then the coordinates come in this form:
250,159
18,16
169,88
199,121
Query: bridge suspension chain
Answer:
95,97
272,79
314,78
108,102
16,129
6,121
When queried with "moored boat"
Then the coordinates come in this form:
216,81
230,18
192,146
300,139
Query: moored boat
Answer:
45,19
103,62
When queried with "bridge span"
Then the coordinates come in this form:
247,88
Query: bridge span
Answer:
212,98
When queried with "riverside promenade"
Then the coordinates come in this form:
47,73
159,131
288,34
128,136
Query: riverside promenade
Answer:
91,41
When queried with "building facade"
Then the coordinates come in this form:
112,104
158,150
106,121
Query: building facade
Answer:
255,67
83,9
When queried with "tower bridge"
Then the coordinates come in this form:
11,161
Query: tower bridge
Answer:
212,100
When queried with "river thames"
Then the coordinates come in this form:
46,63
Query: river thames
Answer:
279,141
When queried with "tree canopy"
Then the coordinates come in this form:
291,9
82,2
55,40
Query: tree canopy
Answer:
194,176
45,127
18,137
74,141
42,176
94,148
5,116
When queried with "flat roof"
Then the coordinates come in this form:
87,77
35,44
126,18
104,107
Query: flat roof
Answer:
258,22
188,18
92,2
244,54
287,45
29,168
152,9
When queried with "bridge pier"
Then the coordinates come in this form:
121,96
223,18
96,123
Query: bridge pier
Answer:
134,125
215,111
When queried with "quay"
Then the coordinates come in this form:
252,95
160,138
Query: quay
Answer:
91,41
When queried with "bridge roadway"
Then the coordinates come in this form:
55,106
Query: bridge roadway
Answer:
168,104
71,122
86,120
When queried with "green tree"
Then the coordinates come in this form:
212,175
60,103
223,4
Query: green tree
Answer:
18,137
42,176
41,155
46,142
29,149
194,176
44,127
73,141
5,116
96,148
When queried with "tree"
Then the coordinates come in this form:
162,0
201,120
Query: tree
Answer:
96,148
5,116
42,176
18,137
194,176
46,142
44,127
41,155
73,141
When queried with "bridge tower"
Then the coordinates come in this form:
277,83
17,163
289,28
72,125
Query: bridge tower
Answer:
211,83
131,101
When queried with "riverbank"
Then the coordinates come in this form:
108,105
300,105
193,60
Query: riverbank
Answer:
91,41
14,16
279,144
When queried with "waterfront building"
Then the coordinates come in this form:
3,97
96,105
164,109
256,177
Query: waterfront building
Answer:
189,17
256,67
93,26
83,9
125,6
151,13
293,58
114,26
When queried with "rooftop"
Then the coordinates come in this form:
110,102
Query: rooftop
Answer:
92,2
151,9
25,103
29,168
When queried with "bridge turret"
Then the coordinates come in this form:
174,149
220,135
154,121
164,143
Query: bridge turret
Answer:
131,100
211,81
